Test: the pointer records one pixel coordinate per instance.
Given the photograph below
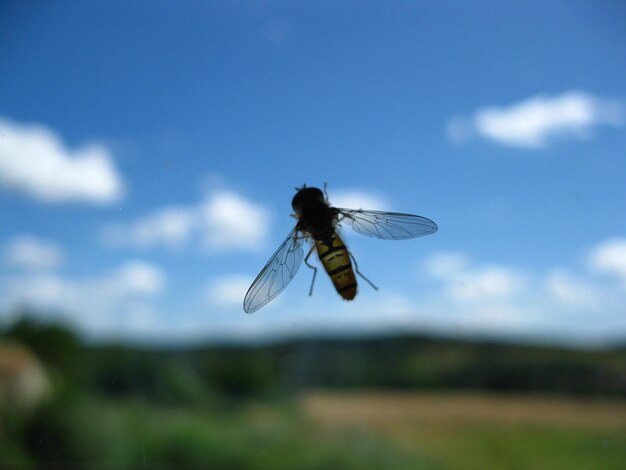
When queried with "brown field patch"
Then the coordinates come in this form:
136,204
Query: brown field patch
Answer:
391,408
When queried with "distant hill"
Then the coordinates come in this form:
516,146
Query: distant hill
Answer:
401,362
410,362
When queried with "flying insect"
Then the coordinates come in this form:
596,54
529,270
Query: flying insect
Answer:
317,221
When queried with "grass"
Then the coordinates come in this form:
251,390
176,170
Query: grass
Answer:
104,433
357,430
477,431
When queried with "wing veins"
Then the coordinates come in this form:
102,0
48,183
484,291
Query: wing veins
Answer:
387,225
276,274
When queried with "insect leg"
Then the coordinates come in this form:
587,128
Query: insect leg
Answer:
312,267
356,268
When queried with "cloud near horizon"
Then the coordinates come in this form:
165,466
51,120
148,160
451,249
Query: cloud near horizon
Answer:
473,296
472,289
609,258
467,281
36,162
539,120
464,294
33,253
227,290
111,303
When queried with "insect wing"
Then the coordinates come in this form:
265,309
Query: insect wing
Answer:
277,273
387,225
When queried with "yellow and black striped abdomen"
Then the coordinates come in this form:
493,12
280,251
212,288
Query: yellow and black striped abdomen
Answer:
336,261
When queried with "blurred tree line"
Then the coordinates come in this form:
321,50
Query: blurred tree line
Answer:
191,373
99,401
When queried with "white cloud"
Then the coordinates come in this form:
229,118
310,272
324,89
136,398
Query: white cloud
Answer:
225,220
572,292
106,302
30,252
536,121
561,302
462,294
169,226
140,277
36,290
228,290
474,297
446,265
609,257
468,282
357,199
229,221
35,161
491,281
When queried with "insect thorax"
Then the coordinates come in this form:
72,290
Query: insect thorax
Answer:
315,215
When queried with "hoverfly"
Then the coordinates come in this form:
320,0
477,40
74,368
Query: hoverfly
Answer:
317,220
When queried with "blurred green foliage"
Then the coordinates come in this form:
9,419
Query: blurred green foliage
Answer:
234,406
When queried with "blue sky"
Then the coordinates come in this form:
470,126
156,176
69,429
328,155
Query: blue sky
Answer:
149,153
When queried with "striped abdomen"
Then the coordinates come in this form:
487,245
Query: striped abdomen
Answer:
336,260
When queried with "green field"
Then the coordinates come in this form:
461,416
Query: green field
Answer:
388,403
335,431
469,430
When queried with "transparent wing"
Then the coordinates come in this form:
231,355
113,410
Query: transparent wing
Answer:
277,273
387,225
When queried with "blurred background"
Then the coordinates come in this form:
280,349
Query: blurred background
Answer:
149,152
